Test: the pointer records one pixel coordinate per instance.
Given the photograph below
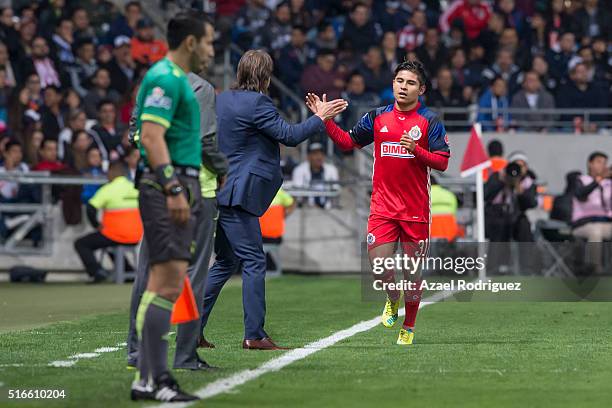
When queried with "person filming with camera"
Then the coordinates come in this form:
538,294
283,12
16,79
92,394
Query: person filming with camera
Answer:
508,194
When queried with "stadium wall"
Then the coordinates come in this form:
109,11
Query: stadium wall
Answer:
316,242
551,156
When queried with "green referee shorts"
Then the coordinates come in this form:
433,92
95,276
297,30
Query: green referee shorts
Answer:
166,240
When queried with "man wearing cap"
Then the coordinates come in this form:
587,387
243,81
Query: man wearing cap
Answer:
315,174
122,66
146,50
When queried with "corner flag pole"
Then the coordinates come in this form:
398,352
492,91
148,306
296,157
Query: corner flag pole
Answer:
475,160
480,218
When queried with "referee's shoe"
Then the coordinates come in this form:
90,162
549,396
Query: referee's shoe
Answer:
166,389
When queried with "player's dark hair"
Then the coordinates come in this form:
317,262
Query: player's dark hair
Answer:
254,71
597,154
184,24
415,67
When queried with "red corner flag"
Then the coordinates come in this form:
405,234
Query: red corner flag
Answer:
185,309
475,158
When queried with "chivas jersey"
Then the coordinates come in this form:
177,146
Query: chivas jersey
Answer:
400,181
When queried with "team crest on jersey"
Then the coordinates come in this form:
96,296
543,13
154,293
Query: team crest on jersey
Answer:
158,99
415,132
371,238
394,149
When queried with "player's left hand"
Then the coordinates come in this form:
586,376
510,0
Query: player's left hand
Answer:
408,142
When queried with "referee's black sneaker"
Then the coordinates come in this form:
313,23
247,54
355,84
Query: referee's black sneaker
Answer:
168,390
141,390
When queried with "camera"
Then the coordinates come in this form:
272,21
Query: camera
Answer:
513,171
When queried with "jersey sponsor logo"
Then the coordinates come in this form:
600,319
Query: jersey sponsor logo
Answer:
415,132
158,99
371,238
394,149
384,129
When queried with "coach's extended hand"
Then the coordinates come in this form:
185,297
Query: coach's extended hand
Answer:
324,109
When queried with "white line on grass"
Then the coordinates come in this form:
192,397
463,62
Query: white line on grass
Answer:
227,384
72,360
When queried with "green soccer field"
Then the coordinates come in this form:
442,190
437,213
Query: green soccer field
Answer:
467,354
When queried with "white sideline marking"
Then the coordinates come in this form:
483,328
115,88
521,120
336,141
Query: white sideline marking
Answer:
72,360
84,355
227,384
63,363
11,365
106,349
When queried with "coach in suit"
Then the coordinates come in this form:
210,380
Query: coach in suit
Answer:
250,131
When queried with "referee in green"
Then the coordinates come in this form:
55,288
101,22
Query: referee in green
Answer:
168,123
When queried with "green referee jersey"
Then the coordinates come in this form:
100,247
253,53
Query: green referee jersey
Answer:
166,98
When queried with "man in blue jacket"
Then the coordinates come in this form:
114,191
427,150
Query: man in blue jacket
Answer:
250,131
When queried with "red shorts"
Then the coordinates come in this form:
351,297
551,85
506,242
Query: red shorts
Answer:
413,235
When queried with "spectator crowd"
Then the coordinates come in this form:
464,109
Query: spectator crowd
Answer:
501,54
69,73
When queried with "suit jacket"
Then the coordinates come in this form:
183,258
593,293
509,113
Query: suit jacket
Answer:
250,131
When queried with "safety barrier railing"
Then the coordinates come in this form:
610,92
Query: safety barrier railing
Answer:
39,214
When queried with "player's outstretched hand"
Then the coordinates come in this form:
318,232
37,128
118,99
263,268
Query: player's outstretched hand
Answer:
407,142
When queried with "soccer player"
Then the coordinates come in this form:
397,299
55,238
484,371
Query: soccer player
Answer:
168,123
409,140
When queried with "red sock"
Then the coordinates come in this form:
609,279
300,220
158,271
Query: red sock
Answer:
412,299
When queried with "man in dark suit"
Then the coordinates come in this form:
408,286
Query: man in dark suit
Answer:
250,132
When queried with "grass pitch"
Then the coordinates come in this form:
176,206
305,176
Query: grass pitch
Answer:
506,354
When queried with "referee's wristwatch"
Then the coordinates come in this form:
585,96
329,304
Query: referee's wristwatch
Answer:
175,190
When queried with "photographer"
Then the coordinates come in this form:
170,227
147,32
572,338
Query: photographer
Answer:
508,194
592,212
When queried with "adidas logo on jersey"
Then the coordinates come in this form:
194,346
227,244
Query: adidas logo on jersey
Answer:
394,149
384,129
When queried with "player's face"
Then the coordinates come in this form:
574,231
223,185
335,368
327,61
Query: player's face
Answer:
407,88
204,50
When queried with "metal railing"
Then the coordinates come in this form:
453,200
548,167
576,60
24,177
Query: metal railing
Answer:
39,214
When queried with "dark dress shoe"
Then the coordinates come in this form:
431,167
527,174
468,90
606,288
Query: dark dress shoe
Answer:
201,365
203,343
263,344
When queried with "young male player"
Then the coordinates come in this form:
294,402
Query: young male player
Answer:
409,140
